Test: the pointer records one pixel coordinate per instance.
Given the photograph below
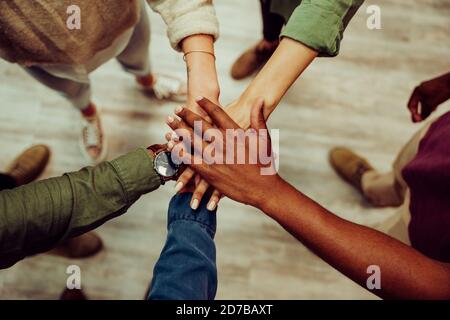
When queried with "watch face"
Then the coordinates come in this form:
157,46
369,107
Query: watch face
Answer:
165,166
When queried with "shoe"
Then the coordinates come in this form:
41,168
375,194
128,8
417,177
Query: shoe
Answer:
74,294
251,61
93,142
349,166
164,87
29,165
80,247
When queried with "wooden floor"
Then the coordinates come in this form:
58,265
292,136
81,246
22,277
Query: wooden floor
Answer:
357,99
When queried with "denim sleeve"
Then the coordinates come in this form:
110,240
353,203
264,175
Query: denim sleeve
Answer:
186,269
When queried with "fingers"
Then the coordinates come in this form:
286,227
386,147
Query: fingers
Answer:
171,139
185,132
184,179
214,200
190,118
413,105
257,120
171,136
176,124
217,114
198,194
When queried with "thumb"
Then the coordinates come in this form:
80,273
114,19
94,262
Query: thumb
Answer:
257,120
413,105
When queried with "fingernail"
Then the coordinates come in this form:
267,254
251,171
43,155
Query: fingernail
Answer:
194,204
178,109
199,98
169,119
211,205
178,187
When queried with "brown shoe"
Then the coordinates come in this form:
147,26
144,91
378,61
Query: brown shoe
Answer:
349,166
74,294
250,61
83,246
29,165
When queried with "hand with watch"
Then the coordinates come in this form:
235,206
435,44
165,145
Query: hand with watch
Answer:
163,164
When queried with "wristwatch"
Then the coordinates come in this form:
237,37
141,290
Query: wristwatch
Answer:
163,164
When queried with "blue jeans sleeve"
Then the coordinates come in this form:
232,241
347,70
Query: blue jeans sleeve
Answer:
186,269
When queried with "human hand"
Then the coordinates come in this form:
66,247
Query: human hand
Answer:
249,182
427,96
202,81
189,181
239,111
201,70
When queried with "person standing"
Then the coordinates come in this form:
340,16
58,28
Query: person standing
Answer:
35,36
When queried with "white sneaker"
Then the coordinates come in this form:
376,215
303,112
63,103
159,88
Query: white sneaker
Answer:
93,143
169,88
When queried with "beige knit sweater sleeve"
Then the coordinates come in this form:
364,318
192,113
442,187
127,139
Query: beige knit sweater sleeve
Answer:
186,17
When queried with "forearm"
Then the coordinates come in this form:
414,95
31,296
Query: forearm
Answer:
201,68
35,217
186,268
445,80
352,248
284,67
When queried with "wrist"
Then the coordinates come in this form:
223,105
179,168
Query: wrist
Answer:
210,91
202,81
240,110
271,202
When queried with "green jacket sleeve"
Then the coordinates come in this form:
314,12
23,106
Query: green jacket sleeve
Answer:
320,24
36,217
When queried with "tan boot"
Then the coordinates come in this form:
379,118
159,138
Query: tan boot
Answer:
349,166
83,246
29,165
250,61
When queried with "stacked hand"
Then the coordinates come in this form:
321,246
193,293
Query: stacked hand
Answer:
427,96
189,180
247,182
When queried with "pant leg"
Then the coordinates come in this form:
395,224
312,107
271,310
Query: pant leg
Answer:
388,189
7,182
78,93
186,269
396,225
135,57
272,22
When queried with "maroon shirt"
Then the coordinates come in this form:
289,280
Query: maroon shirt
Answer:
428,177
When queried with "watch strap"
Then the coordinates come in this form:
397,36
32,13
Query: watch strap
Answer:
157,148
